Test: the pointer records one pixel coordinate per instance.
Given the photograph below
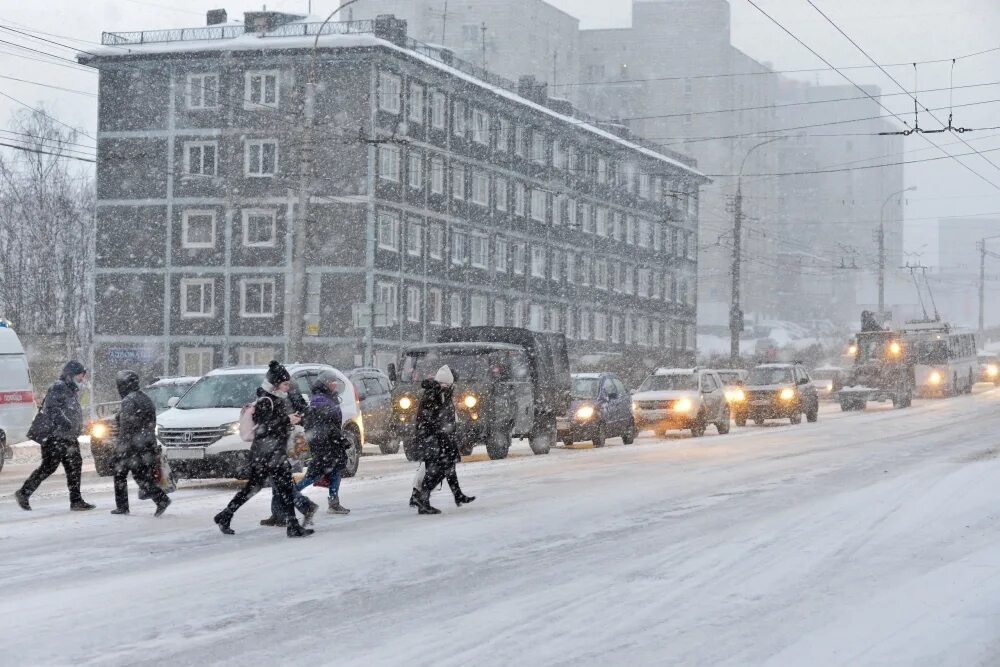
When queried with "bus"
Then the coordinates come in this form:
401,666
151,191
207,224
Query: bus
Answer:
945,362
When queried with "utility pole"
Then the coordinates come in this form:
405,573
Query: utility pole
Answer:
484,44
881,250
444,24
982,279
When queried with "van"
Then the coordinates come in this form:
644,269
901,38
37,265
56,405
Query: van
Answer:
17,396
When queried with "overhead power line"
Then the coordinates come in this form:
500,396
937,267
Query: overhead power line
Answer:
37,150
49,85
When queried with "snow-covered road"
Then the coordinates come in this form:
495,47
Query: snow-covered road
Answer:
865,539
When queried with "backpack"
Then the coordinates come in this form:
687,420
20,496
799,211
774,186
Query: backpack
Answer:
247,426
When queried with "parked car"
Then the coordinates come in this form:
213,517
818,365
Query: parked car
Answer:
200,433
989,367
681,398
779,391
374,390
103,428
600,408
17,395
828,380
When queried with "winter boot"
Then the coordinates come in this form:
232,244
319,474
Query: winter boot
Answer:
424,504
222,520
81,505
273,521
162,506
334,507
415,498
22,500
295,530
307,516
462,499
120,510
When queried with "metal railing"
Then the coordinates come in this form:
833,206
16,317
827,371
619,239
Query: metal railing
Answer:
176,35
331,28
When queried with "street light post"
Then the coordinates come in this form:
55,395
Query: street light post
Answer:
735,314
881,249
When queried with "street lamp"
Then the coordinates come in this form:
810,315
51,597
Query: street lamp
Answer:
735,314
881,249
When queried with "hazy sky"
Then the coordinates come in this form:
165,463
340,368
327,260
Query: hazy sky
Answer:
892,31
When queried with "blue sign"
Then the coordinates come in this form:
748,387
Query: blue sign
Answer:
136,355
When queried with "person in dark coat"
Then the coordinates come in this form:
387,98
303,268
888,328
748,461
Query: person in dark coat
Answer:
268,453
136,450
436,442
61,445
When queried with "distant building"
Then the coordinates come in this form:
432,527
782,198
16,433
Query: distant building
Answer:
437,199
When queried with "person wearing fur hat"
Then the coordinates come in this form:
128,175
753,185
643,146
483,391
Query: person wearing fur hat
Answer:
436,443
269,453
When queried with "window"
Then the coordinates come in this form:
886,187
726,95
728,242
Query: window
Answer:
458,248
458,119
555,318
500,257
255,356
558,155
601,274
539,199
261,90
195,361
517,314
555,266
584,271
519,199
657,236
458,181
437,176
257,297
602,221
586,211
480,251
520,136
197,297
571,211
536,321
669,288
657,285
519,259
456,310
684,292
500,185
435,305
537,262
477,311
388,163
503,134
415,170
584,325
388,231
558,202
386,293
435,241
438,107
414,238
692,204
602,171
389,91
261,157
645,232
200,157
413,305
480,127
570,267
600,326
259,228
416,103
202,91
629,330
644,282
618,230
644,185
629,280
499,313
537,147
630,231
569,326
198,229
480,188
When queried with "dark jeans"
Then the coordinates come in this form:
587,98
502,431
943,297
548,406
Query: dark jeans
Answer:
437,472
282,486
54,452
299,500
141,466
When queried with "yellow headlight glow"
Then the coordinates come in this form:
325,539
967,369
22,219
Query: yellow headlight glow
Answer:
98,430
787,394
735,396
895,348
405,403
585,412
683,405
852,350
470,401
829,386
992,370
934,377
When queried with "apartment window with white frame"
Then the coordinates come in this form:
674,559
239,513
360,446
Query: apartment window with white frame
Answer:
539,200
257,297
602,221
202,91
435,240
684,292
255,356
388,294
644,282
644,185
558,155
569,325
558,203
617,226
536,317
480,188
439,107
201,158
656,285
414,238
692,204
584,325
261,90
388,231
500,255
198,229
518,261
458,181
503,134
657,236
437,176
583,271
388,163
499,313
260,157
571,212
629,329
602,171
570,267
586,211
555,318
413,305
416,111
517,314
435,306
390,88
260,228
600,326
415,169
195,361
537,262
629,280
555,266
456,309
538,147
458,250
458,120
480,251
519,196
500,185
480,127
630,230
478,311
197,298
601,274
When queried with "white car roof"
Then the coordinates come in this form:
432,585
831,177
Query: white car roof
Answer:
586,376
165,382
676,371
262,370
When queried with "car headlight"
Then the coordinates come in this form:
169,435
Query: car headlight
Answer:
405,403
934,377
735,396
992,371
852,350
829,386
232,429
683,405
156,431
98,430
585,412
470,401
895,348
787,394
635,406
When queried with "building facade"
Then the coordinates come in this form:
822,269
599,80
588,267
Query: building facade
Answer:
437,199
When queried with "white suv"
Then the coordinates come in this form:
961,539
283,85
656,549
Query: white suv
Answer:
200,431
681,398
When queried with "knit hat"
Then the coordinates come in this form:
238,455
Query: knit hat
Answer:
444,376
276,373
73,368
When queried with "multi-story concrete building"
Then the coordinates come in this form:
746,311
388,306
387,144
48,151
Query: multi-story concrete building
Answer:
442,198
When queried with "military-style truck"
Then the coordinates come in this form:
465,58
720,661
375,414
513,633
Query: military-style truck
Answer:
509,383
882,369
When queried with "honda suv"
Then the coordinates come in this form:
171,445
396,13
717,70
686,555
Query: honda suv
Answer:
779,391
681,398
